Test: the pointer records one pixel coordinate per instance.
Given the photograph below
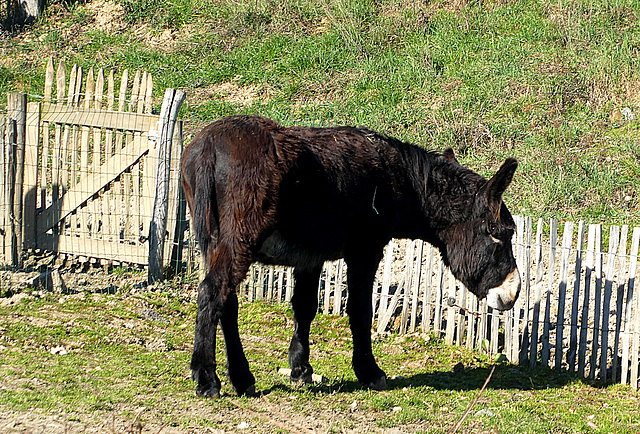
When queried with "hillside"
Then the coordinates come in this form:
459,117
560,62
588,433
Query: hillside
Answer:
555,84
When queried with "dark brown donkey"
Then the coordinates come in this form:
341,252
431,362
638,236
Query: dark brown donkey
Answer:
299,196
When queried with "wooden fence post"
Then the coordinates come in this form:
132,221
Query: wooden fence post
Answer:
17,111
4,230
171,104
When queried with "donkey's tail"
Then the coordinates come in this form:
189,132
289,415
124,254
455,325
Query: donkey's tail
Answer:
206,221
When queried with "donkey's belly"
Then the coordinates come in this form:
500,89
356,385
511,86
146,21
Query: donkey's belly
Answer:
279,250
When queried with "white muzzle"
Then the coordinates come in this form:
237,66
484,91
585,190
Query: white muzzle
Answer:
504,296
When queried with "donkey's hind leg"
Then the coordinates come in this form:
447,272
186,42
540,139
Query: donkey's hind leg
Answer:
237,365
217,301
305,305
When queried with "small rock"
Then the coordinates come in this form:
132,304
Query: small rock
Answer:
397,409
243,425
627,114
353,405
485,412
61,351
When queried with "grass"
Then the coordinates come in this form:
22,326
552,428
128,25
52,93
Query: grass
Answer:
118,362
530,79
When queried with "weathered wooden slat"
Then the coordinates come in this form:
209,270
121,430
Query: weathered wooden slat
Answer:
96,118
48,80
526,290
148,98
597,303
575,302
614,240
338,288
450,310
426,299
408,276
562,292
461,316
633,261
290,282
87,103
30,184
328,276
142,93
4,194
122,94
437,327
515,314
270,284
386,277
535,326
628,306
553,241
586,301
46,162
622,261
417,277
280,283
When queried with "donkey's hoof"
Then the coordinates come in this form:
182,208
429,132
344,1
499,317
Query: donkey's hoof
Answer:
249,391
210,392
378,384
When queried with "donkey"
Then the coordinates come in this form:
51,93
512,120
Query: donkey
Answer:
299,196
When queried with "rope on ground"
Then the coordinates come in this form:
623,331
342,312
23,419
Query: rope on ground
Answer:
466,413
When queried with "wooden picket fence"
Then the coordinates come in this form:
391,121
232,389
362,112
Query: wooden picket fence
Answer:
91,168
577,311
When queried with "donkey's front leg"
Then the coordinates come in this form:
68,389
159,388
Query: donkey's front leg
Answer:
360,276
305,305
203,359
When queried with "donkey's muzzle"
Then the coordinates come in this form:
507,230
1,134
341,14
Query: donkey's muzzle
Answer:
504,296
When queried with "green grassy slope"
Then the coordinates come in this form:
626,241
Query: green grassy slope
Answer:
545,82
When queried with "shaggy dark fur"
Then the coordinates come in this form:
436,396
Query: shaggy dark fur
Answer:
299,196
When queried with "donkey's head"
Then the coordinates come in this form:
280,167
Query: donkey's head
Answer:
479,250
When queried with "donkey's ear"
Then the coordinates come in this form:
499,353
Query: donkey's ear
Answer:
497,185
449,155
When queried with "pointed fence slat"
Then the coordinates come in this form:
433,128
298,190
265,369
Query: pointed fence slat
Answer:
535,327
546,347
562,291
597,302
614,240
573,335
427,294
586,303
622,260
628,306
634,328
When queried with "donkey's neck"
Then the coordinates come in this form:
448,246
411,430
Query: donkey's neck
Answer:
444,192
